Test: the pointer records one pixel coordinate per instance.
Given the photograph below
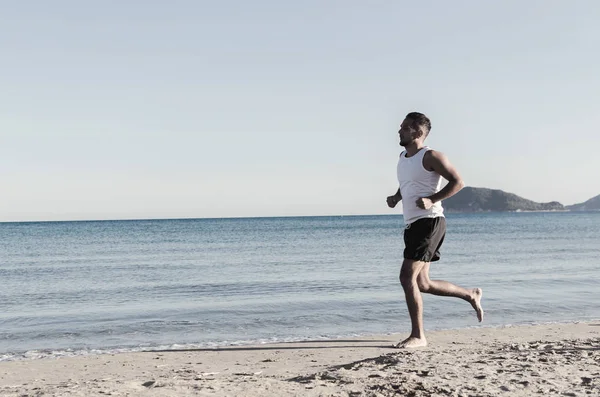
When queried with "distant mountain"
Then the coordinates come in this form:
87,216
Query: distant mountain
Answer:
592,204
477,199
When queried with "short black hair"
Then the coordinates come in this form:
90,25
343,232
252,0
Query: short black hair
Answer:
420,121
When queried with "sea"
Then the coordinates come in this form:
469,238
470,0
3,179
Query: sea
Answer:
96,287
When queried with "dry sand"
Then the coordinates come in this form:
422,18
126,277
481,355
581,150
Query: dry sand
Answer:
510,361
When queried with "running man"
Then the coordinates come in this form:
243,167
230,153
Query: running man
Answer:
420,173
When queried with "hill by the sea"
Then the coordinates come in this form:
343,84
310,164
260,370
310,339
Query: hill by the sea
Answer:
592,204
476,199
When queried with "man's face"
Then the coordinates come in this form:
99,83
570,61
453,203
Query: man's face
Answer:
407,133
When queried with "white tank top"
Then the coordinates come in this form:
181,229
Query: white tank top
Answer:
417,182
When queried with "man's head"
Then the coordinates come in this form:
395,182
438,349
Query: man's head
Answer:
415,127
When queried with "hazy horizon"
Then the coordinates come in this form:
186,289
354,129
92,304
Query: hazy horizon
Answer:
148,110
397,211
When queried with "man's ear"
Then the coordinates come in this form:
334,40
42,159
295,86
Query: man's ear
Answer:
419,133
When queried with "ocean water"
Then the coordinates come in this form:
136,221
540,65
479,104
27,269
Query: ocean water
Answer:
72,288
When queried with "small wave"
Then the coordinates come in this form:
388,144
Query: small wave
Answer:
59,353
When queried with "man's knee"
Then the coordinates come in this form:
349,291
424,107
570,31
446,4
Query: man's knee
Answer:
423,283
405,278
409,271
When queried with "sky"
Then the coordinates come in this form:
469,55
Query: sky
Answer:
201,109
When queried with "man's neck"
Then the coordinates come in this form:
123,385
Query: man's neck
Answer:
413,148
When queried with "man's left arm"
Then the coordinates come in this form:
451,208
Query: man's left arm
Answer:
439,163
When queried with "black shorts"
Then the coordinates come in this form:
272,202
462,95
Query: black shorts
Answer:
423,239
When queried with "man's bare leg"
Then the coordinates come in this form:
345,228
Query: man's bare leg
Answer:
444,288
408,278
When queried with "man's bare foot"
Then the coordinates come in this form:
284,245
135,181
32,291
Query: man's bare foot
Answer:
401,343
476,302
411,343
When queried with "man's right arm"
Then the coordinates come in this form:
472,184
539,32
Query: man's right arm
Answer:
395,199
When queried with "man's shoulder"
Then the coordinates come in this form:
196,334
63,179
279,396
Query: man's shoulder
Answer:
433,154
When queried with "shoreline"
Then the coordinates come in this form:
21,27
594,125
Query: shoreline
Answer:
67,352
506,360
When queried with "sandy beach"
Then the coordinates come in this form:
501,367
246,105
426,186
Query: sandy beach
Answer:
514,361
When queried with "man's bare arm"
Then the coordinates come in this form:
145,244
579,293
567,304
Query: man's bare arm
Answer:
438,162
